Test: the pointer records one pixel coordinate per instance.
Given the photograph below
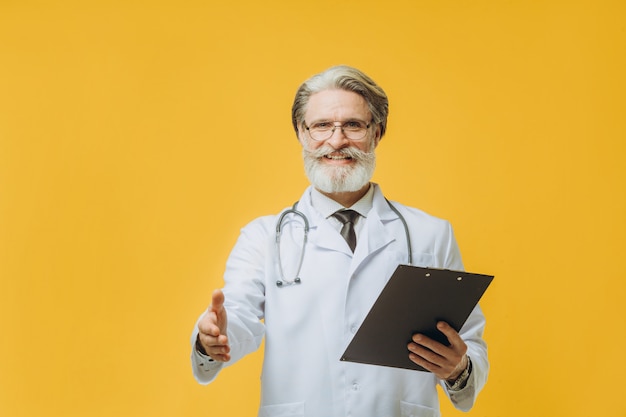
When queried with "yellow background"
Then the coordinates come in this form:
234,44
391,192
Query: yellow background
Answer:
136,138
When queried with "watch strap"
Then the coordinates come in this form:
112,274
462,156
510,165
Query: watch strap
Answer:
461,380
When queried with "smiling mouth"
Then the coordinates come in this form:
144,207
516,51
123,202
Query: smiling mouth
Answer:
339,157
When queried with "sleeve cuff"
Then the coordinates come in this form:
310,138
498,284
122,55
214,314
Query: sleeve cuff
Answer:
205,363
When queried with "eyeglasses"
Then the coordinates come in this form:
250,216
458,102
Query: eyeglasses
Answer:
352,129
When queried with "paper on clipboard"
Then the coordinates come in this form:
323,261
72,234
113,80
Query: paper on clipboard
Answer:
413,301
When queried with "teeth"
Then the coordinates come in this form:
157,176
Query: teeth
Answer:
337,157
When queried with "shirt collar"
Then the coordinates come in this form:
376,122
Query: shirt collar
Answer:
327,206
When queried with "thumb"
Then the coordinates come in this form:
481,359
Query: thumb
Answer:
217,301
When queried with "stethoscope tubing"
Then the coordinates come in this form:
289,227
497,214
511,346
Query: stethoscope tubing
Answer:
283,281
279,224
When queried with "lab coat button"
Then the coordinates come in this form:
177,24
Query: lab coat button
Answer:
353,329
355,387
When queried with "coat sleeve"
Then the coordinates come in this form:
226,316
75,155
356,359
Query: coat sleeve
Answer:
244,293
471,333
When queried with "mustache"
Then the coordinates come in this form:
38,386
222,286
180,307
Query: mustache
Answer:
350,152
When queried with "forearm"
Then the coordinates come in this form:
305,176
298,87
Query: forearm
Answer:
472,332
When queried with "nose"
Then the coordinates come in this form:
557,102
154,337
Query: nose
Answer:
338,139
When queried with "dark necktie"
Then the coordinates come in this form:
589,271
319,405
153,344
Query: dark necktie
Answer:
347,217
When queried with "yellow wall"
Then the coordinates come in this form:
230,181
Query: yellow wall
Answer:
135,141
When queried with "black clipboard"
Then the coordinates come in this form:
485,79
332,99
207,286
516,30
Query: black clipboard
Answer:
413,301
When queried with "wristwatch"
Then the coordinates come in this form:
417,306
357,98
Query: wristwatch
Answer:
461,380
200,349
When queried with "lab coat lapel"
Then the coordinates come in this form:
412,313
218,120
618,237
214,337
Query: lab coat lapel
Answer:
374,234
321,233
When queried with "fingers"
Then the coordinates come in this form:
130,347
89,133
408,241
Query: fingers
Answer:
425,352
450,333
212,329
456,343
215,343
216,347
441,360
208,325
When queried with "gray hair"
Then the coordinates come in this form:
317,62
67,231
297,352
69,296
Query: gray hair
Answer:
344,78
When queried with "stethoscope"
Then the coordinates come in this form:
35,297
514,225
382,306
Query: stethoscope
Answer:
294,210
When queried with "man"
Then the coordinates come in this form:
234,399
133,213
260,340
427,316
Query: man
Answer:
309,290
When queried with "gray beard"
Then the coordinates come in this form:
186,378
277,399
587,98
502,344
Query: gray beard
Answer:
339,179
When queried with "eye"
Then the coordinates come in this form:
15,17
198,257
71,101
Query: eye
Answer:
354,125
321,126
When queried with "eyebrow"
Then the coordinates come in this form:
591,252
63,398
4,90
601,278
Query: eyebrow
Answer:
351,119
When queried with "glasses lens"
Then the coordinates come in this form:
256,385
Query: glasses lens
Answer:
321,131
320,136
353,130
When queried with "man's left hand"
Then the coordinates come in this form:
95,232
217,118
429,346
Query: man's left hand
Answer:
446,362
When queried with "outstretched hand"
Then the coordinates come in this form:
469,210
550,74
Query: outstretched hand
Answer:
212,329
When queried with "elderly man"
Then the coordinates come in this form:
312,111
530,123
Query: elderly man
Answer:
306,278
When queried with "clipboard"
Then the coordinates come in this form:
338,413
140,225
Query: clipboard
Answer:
413,301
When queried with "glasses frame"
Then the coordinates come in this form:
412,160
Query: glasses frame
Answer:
341,126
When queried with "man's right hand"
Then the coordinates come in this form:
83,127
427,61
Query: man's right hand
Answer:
212,327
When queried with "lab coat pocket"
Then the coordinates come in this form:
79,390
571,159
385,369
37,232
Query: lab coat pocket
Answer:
417,410
282,410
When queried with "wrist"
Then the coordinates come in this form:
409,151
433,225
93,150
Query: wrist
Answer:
462,366
460,380
200,348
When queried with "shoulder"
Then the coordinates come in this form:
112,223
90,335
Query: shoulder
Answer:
417,218
269,224
414,217
431,234
266,224
420,215
261,226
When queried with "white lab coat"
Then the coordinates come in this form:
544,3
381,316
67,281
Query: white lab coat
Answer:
307,326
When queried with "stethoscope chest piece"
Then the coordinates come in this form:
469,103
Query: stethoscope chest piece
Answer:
282,282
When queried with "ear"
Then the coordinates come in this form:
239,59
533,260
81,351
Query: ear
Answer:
300,135
377,135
